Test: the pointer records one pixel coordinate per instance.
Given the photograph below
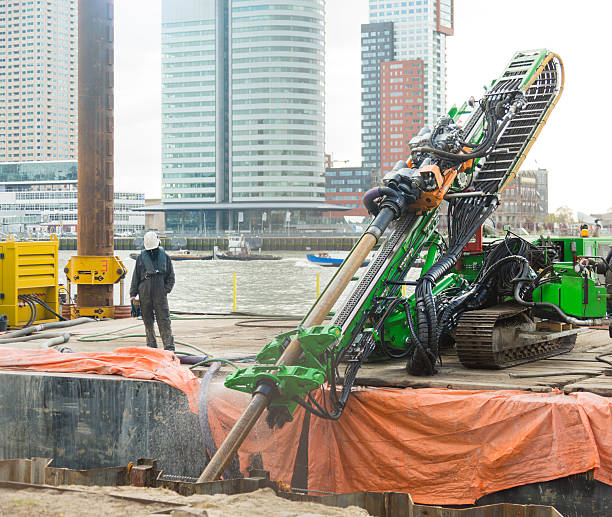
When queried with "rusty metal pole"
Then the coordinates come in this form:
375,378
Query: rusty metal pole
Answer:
95,173
260,401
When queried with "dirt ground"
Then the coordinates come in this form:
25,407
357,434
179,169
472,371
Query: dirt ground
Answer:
107,501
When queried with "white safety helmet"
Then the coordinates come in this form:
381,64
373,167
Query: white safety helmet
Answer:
150,241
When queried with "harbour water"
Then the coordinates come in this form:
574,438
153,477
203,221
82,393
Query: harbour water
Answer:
286,286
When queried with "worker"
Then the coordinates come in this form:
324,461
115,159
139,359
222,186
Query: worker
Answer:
152,281
584,230
597,228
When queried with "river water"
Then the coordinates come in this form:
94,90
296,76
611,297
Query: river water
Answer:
286,286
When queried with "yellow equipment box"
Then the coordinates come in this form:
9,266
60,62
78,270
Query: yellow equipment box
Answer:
28,276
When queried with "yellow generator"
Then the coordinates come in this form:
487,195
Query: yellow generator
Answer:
28,281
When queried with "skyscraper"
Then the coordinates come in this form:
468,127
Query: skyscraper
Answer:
376,47
242,112
38,80
419,29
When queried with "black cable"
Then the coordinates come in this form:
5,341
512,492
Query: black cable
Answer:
33,311
42,303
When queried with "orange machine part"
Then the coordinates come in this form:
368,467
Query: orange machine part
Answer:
430,200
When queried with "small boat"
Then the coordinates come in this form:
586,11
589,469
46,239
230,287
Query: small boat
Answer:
180,255
323,259
245,256
240,249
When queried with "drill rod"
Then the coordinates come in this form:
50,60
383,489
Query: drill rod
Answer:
292,353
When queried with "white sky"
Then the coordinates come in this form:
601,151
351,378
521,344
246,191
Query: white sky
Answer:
487,33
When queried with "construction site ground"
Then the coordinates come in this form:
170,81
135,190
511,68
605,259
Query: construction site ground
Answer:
233,337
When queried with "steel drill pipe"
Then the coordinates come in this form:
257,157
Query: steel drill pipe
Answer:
292,353
95,170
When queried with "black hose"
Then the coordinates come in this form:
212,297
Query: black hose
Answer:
33,312
44,304
520,281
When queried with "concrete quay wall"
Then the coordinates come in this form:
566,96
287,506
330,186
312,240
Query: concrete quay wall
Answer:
90,421
268,243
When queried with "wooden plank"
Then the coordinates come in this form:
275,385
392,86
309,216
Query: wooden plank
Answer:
553,326
393,374
601,385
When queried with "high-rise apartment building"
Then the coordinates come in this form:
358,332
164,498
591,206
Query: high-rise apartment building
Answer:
38,80
242,112
376,47
419,29
401,108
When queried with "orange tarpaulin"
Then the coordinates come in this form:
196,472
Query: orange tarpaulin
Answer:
441,446
133,362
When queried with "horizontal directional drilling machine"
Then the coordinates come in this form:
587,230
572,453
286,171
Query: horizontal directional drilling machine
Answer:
486,302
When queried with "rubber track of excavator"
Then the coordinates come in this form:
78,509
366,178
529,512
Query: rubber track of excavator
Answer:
474,341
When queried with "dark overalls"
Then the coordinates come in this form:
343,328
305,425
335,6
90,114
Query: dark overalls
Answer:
152,280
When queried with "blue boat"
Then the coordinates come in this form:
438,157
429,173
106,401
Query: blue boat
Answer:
323,259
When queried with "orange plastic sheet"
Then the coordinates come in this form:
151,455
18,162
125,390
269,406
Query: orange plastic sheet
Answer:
132,362
441,446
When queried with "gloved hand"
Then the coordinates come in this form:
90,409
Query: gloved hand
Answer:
135,308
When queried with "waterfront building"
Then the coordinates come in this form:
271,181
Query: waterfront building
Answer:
524,203
542,186
242,113
419,31
345,186
41,197
38,80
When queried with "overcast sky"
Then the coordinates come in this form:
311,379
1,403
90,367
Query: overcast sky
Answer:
487,33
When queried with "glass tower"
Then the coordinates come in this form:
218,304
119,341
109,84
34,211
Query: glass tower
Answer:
243,108
277,80
189,101
376,47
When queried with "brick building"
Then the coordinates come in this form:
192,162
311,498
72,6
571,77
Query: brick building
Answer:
401,108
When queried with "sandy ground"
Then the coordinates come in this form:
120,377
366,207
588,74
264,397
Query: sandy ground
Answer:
99,502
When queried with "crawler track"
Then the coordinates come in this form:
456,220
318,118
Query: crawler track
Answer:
479,344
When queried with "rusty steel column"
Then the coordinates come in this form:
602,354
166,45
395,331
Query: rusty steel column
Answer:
95,172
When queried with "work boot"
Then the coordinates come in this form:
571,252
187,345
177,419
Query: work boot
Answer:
152,345
170,346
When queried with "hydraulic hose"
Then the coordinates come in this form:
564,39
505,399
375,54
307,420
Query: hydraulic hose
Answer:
46,326
374,193
588,322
